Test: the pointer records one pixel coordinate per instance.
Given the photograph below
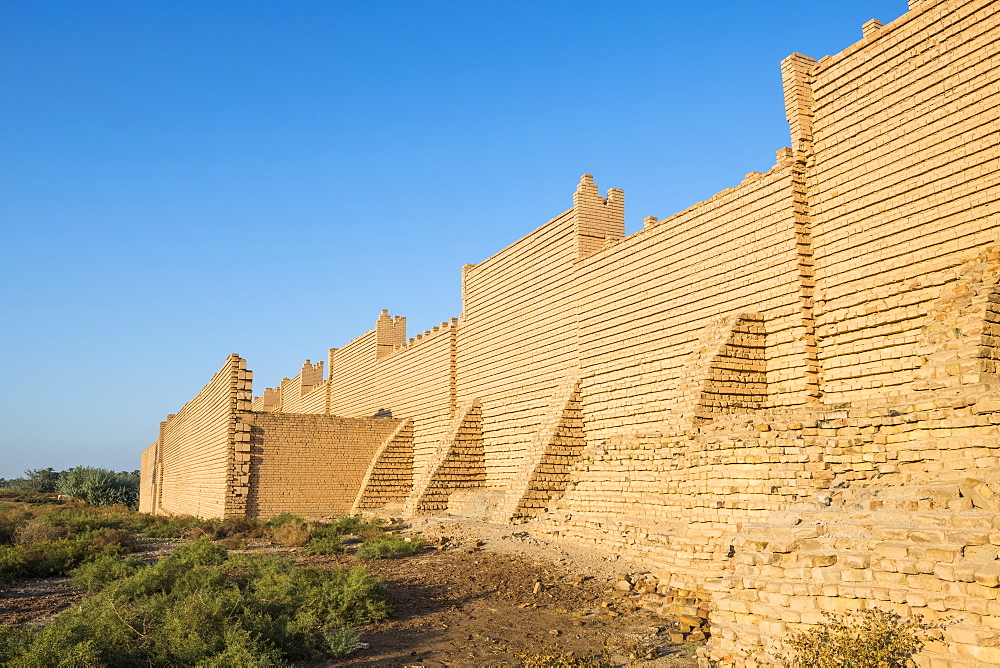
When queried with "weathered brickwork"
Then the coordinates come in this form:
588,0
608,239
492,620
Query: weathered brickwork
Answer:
782,400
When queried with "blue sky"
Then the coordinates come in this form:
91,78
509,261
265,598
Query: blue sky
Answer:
184,180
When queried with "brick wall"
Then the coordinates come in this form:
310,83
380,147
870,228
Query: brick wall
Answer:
310,465
651,295
906,181
519,336
197,472
417,381
782,401
147,484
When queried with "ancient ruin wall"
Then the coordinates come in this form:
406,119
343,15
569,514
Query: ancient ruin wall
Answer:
650,297
147,471
518,340
309,465
905,182
417,381
352,377
782,400
306,392
196,469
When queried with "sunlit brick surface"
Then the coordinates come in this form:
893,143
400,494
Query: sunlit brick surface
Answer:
780,401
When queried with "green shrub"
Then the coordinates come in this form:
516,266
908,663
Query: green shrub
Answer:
59,557
324,540
171,527
872,639
189,609
389,545
13,563
103,571
356,525
35,481
340,641
101,487
283,519
47,558
82,519
202,552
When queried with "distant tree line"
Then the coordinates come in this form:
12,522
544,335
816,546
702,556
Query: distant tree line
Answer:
96,486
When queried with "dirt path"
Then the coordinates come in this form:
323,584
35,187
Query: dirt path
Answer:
489,594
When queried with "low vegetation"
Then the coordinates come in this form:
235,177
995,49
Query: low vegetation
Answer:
871,639
557,658
389,545
203,605
49,540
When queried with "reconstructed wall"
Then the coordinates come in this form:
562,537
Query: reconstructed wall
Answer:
782,401
147,473
651,296
310,465
417,381
518,337
192,468
905,184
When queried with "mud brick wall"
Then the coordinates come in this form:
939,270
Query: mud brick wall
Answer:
650,296
306,392
518,339
147,471
906,180
381,370
310,465
389,479
781,401
417,381
195,451
352,377
674,500
884,534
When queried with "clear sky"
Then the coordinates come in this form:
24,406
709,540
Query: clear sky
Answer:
184,180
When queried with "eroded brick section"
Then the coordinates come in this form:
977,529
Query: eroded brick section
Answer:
459,464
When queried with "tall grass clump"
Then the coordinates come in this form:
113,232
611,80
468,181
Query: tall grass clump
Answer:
101,487
201,607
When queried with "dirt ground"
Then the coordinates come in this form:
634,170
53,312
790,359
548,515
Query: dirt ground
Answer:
480,595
